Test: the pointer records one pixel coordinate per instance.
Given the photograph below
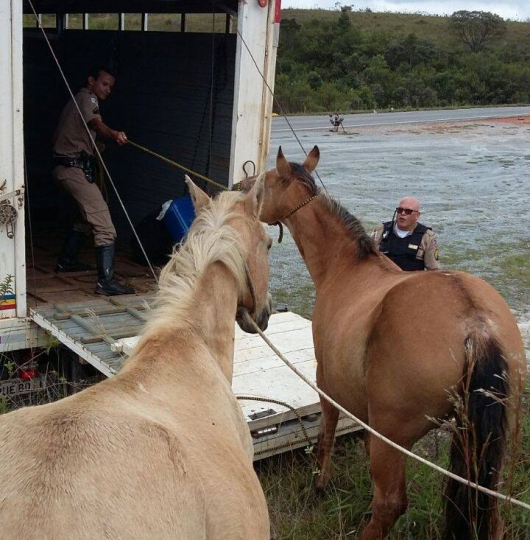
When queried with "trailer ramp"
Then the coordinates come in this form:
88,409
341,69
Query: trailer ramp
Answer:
104,332
90,327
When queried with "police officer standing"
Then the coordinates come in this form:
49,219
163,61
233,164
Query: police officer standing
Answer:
74,171
411,245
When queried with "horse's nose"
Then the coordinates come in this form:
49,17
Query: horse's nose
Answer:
263,319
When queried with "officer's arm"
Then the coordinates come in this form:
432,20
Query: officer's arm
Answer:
430,257
108,133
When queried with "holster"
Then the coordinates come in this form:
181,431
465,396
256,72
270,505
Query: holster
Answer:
85,162
89,166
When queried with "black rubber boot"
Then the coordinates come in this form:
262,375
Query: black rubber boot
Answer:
107,284
67,261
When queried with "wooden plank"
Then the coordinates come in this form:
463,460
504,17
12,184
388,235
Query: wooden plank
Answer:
98,348
281,384
272,362
73,345
111,337
90,313
291,436
289,342
134,311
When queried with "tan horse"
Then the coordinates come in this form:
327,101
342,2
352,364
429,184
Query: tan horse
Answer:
162,449
392,346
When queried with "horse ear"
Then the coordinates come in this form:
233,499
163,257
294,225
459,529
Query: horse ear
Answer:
312,159
282,165
254,198
198,196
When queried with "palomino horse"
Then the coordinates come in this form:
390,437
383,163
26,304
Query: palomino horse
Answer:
392,346
162,449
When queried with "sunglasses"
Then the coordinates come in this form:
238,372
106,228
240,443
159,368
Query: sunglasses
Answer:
406,211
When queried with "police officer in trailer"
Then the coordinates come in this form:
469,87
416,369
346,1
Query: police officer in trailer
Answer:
74,171
411,245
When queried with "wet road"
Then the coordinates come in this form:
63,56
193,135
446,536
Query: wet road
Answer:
473,178
319,122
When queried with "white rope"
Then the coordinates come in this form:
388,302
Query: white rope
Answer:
92,139
382,437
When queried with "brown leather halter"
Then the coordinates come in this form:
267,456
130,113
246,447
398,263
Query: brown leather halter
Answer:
289,214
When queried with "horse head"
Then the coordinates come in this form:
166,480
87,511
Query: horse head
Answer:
254,298
287,187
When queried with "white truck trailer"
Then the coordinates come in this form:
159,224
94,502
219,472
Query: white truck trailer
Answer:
197,97
200,95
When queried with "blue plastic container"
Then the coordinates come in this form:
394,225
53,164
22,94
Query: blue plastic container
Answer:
179,217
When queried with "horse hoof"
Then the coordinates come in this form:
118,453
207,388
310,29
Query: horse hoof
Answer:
320,486
320,492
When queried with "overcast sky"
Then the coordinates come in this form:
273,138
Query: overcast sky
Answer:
507,9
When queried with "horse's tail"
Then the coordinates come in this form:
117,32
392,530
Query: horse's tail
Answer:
479,440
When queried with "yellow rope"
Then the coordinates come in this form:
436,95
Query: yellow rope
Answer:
178,165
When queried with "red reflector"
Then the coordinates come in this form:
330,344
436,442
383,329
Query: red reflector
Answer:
28,374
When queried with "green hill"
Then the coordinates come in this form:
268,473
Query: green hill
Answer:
432,27
344,60
353,60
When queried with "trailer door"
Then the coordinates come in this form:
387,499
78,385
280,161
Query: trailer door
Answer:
257,44
12,238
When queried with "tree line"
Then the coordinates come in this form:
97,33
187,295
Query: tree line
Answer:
327,65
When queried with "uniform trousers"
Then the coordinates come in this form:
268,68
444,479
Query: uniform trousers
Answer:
90,202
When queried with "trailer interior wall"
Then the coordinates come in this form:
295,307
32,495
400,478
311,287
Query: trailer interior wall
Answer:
174,95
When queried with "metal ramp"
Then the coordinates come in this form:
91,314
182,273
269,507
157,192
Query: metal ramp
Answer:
103,332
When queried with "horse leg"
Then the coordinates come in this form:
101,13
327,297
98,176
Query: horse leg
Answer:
366,441
326,438
387,467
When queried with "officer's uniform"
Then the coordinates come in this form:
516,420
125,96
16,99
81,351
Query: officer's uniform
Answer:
70,142
416,251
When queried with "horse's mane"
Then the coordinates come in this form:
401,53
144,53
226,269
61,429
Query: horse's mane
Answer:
354,228
209,240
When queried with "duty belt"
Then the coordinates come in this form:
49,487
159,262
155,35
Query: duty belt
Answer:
86,162
67,161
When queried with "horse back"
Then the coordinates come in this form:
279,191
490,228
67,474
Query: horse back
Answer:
105,463
416,349
89,475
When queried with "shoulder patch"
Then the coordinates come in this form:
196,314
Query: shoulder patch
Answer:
93,99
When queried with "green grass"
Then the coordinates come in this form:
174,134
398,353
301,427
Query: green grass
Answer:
298,513
509,274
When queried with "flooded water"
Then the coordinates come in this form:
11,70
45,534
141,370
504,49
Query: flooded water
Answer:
473,179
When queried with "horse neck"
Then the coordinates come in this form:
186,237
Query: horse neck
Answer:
215,314
321,239
207,323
